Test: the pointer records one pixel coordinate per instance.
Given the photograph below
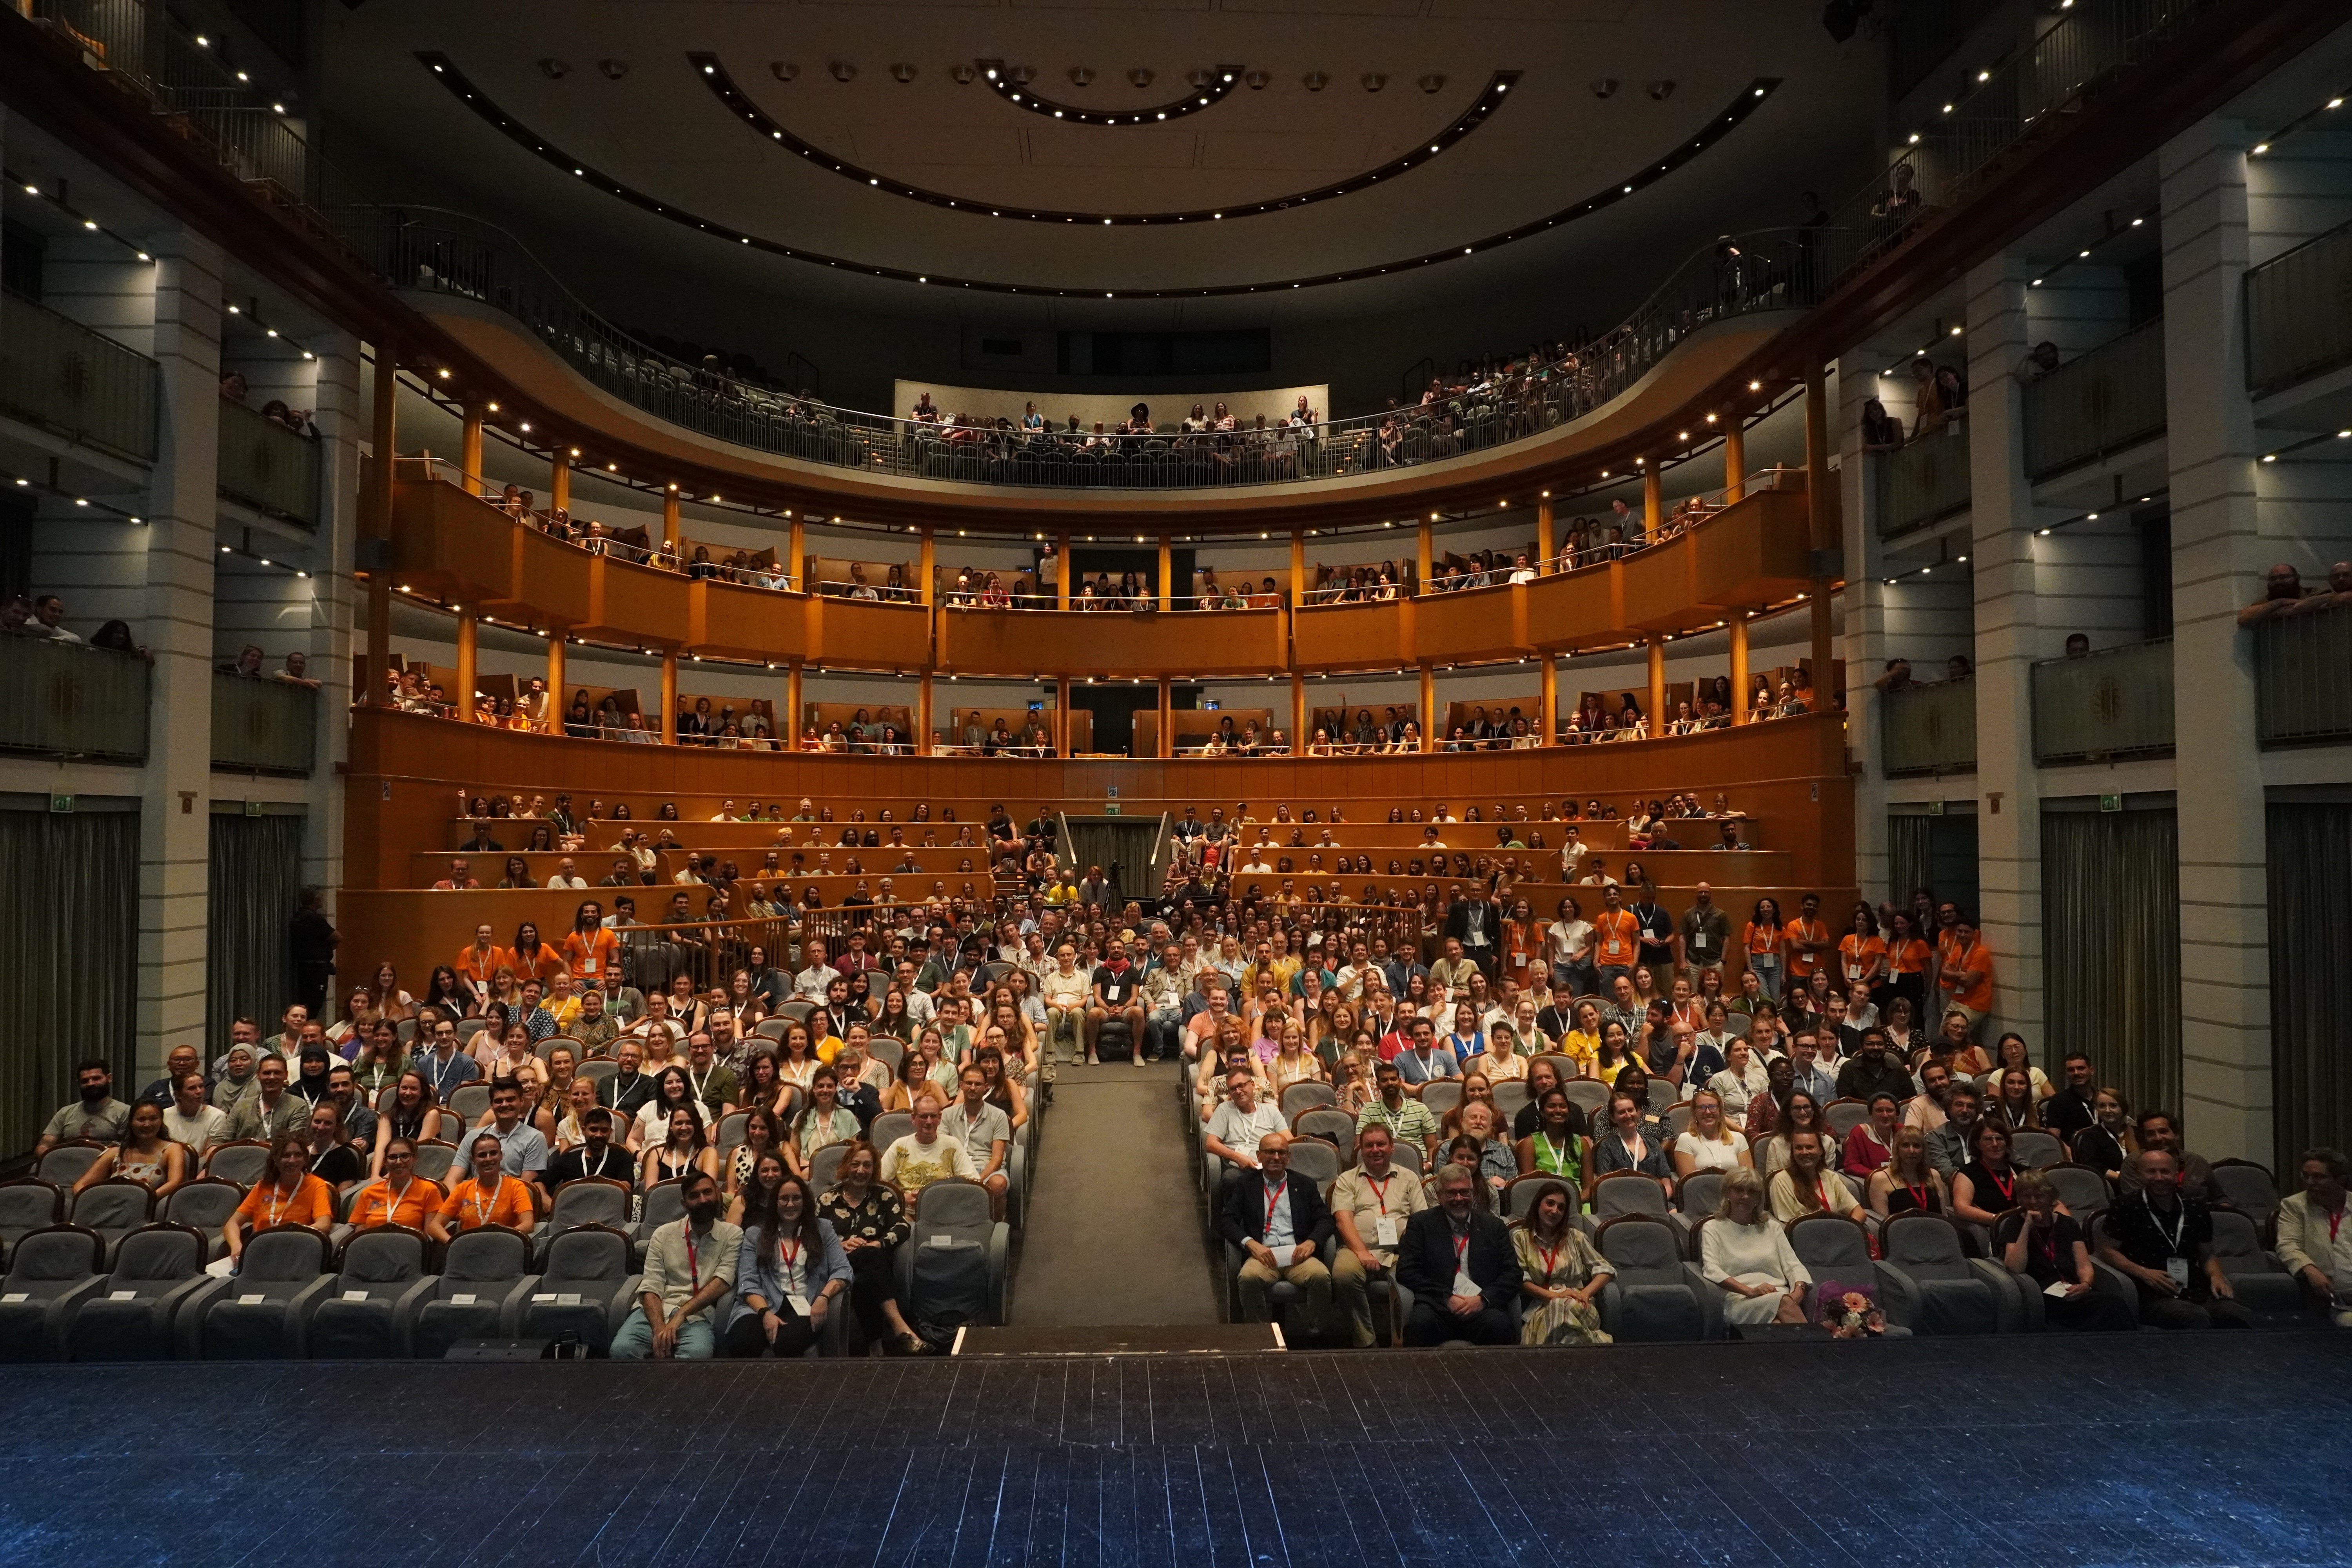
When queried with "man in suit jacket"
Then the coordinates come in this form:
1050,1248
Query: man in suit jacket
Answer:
1460,1267
1286,1228
1477,924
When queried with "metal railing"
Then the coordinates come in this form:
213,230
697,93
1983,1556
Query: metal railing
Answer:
2110,399
1923,481
2116,702
270,467
263,726
1928,729
72,700
2299,312
62,375
2301,692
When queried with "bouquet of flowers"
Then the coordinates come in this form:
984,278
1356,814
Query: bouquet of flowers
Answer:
1848,1312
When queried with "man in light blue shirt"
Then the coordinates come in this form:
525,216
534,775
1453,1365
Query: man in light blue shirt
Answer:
1428,1058
523,1152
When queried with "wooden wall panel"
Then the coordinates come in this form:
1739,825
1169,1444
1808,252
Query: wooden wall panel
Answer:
633,604
553,581
1356,637
731,620
864,634
450,544
1188,643
1579,609
1754,551
1472,625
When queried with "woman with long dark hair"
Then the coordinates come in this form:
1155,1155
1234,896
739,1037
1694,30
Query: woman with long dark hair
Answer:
788,1277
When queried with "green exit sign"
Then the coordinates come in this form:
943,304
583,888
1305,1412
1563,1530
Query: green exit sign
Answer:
2111,802
1111,809
61,803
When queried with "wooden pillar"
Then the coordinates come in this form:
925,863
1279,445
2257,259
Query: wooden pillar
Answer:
1821,516
1062,571
1297,567
1551,698
469,663
669,518
1738,629
1428,559
798,567
668,736
1735,460
1167,747
559,483
1062,705
375,522
1653,502
1299,734
557,704
928,567
1428,704
923,711
1547,542
469,451
1658,683
793,702
1167,583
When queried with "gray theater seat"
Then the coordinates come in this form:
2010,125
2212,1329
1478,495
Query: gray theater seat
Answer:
27,1204
1654,1294
585,1288
1930,1284
2082,1190
242,1163
2249,1188
246,1318
114,1209
1835,1250
365,1312
50,1271
953,1264
484,1274
2258,1279
591,1200
128,1317
1623,1193
207,1205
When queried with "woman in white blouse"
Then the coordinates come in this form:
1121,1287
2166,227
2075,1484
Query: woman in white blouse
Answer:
1710,1143
1741,1080
1746,1254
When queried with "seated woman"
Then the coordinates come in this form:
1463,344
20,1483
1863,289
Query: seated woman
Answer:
763,1133
287,1193
2012,1101
381,1060
1630,1143
1802,1110
1582,1043
2037,1240
1871,1143
1555,1147
1470,1153
871,1221
397,1195
1502,1062
1809,1186
763,1084
1743,1078
1746,1254
673,1092
767,1172
1292,1062
2110,1143
1710,1143
827,1122
1985,1187
144,1155
415,1115
789,1276
572,1131
487,1196
1561,1273
1908,1184
682,1150
332,1158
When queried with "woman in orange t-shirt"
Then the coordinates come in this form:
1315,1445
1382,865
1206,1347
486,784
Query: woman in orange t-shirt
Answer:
1762,944
400,1196
479,964
1862,954
589,950
532,957
488,1196
1906,961
288,1194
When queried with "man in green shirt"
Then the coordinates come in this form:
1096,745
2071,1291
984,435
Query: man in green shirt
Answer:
1408,1120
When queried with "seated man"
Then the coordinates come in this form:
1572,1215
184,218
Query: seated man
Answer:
2162,1236
1286,1230
178,1063
1459,1263
1407,1120
97,1116
272,1111
689,1264
2313,1242
985,1132
1242,1123
1115,995
1369,1206
596,1155
922,1156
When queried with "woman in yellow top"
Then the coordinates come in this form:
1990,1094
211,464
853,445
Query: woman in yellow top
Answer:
488,1196
287,1194
399,1196
1061,893
1581,1044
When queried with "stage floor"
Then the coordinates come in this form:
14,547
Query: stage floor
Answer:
2080,1451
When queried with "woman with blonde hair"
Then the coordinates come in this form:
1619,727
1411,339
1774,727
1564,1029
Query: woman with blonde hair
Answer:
1908,1184
1744,1253
1808,1186
1710,1143
1293,1063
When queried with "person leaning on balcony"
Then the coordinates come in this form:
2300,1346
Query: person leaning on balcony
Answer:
2282,593
2338,595
49,620
2040,363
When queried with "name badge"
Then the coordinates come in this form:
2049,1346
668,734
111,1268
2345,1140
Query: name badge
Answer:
2179,1269
799,1304
1385,1234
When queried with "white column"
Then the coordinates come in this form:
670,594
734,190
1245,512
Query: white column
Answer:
2008,807
182,508
1864,626
342,427
2218,557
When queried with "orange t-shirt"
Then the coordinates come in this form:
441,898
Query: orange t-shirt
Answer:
470,1209
377,1205
266,1206
1910,958
544,965
1802,965
587,956
482,967
1763,939
1862,956
1618,934
1966,978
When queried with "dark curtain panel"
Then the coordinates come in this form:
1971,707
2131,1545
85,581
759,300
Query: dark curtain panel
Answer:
2111,944
1910,856
1122,848
71,956
257,873
2310,984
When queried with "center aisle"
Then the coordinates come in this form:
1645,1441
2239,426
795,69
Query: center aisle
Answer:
1113,1236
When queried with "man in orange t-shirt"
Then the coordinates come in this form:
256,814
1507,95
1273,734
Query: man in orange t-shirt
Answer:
1964,975
591,949
1808,940
1616,939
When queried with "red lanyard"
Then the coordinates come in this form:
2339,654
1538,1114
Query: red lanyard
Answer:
1273,1196
1919,1196
1381,1196
2333,1221
2007,1188
693,1272
1461,1249
1822,1193
1550,1258
790,1255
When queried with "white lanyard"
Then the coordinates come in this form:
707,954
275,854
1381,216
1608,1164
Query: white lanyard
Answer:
481,1215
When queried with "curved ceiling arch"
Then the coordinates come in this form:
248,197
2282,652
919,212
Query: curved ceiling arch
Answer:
1689,147
739,103
1003,82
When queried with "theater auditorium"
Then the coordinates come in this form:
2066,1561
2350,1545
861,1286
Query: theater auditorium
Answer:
1216,781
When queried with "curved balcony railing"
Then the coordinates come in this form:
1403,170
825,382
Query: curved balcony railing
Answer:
447,253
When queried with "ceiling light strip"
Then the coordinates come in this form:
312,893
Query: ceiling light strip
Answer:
1722,124
714,76
1001,80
